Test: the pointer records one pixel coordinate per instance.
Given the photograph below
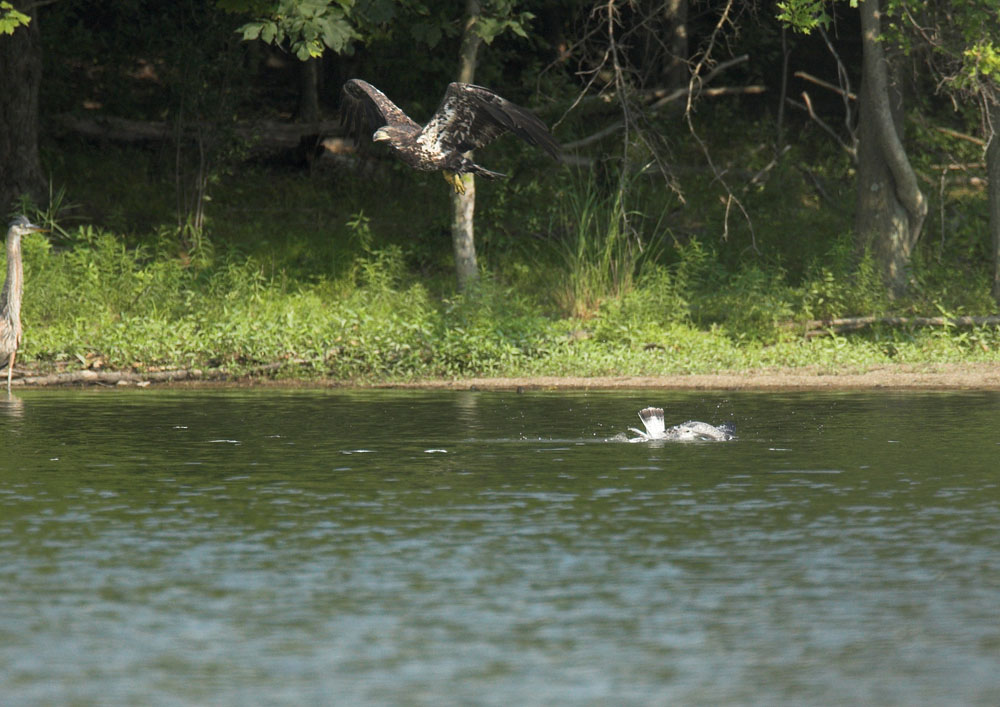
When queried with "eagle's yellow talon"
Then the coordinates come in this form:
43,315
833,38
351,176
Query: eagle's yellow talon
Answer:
455,180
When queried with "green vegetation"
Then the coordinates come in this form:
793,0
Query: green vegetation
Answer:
194,224
328,278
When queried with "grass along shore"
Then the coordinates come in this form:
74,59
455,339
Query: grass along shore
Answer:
98,306
327,280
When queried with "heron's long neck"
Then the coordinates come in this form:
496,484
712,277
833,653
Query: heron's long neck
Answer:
15,277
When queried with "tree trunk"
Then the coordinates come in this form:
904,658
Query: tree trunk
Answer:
890,207
993,178
676,12
309,90
464,205
20,77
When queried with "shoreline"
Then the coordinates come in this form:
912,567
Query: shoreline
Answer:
967,376
952,377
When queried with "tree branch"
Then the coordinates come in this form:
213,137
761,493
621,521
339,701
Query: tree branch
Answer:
806,105
672,96
826,84
961,136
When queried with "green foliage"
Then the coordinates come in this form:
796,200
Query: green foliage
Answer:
371,296
803,15
498,17
96,291
959,43
806,15
950,287
750,305
487,331
602,247
11,19
95,302
281,274
842,285
645,315
308,26
981,60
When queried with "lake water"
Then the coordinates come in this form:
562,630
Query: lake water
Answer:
455,548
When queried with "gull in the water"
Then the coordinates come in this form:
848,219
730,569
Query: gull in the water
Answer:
690,431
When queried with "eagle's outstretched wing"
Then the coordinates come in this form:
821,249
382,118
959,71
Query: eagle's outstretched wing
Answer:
472,116
364,109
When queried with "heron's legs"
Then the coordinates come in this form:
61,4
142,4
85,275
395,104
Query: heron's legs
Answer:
455,180
10,368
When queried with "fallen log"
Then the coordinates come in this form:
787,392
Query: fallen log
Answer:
143,379
261,135
829,327
90,377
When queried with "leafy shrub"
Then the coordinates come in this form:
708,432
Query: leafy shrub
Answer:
843,285
747,305
602,248
641,316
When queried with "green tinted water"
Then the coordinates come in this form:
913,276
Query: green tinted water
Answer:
307,547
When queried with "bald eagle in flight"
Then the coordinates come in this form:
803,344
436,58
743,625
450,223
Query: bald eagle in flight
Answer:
469,117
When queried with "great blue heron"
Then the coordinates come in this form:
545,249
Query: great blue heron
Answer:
10,297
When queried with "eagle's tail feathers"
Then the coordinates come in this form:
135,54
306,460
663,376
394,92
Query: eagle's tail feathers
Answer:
483,172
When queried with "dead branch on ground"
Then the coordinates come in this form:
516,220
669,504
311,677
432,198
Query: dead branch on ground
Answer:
145,378
843,325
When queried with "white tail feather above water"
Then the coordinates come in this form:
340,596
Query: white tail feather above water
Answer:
652,420
690,431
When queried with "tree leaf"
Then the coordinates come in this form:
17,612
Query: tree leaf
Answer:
269,32
11,19
251,30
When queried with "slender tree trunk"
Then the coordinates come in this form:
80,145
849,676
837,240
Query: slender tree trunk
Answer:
993,177
464,205
890,208
309,90
20,77
677,69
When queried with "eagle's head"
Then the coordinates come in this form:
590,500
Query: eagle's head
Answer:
390,134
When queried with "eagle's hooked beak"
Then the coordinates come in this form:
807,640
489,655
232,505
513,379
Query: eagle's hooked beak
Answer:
380,135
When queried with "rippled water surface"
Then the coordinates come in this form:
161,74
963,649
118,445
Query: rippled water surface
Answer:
318,547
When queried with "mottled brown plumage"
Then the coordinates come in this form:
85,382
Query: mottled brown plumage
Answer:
468,118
